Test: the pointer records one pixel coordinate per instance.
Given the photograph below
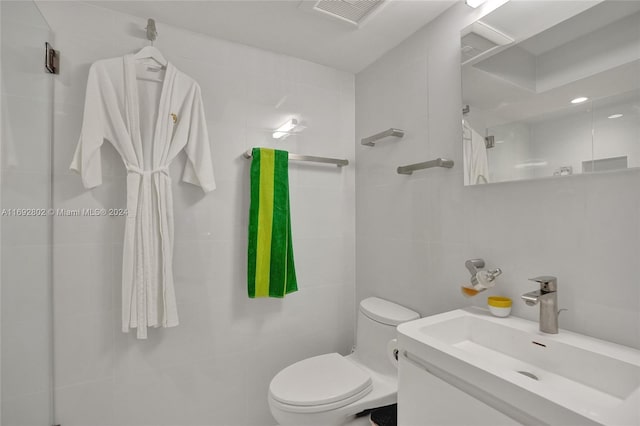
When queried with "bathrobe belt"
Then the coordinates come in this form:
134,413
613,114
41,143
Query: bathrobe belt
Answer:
135,169
144,294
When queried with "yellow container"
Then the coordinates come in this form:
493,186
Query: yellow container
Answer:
499,306
499,301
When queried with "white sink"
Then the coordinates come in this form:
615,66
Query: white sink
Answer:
533,377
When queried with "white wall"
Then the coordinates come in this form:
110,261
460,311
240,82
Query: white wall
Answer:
214,368
415,232
567,140
579,137
512,146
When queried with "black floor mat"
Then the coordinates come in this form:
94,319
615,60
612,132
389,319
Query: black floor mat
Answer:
385,416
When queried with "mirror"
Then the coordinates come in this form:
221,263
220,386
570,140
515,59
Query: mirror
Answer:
551,88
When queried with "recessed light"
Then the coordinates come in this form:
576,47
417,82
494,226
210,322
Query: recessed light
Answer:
474,3
579,100
615,116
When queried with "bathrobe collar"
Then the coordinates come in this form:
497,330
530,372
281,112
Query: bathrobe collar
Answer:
132,113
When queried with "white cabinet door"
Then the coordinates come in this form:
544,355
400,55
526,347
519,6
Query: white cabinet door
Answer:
426,400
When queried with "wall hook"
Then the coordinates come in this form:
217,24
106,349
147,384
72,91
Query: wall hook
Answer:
152,33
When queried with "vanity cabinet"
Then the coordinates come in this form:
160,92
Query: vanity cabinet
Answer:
424,399
466,367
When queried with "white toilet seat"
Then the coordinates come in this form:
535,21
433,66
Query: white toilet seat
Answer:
310,409
318,384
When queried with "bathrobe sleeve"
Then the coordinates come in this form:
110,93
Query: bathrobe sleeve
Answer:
87,160
198,169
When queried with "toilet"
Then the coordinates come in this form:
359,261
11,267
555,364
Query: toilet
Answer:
331,389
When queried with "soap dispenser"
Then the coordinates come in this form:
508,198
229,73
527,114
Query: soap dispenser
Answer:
480,279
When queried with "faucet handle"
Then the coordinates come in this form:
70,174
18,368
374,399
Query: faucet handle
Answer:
494,273
547,282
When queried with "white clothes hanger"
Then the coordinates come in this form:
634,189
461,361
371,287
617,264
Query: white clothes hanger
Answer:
151,72
151,52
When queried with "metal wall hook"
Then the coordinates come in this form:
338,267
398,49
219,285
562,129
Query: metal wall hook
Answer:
152,32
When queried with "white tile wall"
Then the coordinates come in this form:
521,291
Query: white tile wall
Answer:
414,233
27,410
214,368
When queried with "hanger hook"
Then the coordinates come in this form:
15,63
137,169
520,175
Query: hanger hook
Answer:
152,33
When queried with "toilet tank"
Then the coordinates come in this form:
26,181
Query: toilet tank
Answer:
377,322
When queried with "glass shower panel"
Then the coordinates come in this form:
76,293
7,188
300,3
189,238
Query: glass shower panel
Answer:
25,226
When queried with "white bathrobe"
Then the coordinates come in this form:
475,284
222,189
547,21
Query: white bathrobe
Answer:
148,123
476,163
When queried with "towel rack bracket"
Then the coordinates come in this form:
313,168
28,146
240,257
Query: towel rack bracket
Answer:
370,141
438,162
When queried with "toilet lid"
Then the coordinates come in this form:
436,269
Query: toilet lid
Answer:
319,380
386,312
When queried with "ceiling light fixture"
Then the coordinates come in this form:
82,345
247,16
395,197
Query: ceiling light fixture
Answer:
285,130
474,3
615,116
579,100
531,163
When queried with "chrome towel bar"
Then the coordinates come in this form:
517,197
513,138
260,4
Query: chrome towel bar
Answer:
438,162
297,157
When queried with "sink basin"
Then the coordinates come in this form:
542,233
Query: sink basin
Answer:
566,378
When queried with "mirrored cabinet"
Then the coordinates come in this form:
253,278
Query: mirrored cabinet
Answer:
551,89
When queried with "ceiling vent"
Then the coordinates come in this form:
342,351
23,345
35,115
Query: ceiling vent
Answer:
351,11
480,38
474,45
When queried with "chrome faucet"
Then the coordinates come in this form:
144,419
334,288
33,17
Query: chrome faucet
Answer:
547,296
